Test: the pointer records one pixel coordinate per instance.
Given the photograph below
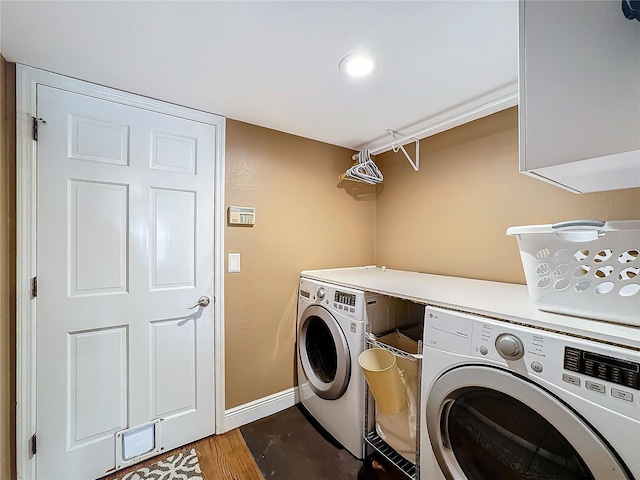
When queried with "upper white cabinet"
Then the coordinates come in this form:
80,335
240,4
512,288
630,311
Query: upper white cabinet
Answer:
579,86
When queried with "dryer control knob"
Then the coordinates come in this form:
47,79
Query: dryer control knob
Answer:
321,293
509,346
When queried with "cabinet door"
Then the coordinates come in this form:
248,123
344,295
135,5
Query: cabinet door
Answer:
580,94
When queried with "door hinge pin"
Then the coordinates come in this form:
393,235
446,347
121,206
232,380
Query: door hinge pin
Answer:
35,126
34,287
33,444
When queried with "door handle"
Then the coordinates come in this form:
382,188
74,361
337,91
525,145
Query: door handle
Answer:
202,302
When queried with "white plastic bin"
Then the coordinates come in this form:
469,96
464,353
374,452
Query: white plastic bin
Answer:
583,267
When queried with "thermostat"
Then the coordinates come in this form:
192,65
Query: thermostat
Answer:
241,216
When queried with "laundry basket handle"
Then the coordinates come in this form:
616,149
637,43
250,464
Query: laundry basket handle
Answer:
578,223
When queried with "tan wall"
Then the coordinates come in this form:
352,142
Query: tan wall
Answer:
305,219
7,268
450,217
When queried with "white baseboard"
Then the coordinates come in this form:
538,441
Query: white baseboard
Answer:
263,407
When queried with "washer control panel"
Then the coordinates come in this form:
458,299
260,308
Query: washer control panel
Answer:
338,299
611,369
605,374
344,302
345,298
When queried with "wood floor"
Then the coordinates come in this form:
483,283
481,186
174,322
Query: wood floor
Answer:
221,457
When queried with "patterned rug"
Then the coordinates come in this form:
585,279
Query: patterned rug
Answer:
181,466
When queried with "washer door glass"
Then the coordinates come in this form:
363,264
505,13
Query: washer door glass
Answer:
324,353
493,435
485,423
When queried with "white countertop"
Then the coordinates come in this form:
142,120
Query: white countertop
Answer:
499,300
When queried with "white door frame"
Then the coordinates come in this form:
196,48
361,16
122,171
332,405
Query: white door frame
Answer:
27,80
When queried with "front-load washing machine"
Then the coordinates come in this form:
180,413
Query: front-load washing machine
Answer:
501,400
331,324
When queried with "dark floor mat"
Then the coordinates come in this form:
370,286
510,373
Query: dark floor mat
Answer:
290,446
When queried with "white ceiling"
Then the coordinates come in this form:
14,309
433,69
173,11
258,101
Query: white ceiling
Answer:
275,63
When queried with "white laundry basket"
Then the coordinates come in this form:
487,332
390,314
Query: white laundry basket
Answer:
583,267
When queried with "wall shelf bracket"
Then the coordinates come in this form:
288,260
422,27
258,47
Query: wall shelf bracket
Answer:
400,146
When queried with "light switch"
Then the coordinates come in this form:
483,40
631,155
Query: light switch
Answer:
233,263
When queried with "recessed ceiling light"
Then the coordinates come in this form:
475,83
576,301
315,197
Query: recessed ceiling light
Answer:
358,65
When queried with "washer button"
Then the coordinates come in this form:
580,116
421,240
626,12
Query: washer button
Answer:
622,395
596,387
536,367
570,379
483,350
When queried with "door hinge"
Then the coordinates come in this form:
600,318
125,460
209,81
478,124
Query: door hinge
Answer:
35,126
34,287
33,444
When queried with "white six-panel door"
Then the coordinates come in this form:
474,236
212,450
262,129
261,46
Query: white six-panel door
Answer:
125,231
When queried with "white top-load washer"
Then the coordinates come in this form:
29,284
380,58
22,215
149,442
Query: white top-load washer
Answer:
502,400
331,324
